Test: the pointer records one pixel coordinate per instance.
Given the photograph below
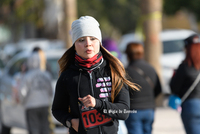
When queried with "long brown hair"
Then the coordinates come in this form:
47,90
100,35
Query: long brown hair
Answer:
118,72
193,55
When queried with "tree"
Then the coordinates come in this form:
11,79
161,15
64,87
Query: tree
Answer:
115,17
15,13
21,11
190,6
170,7
151,16
118,16
151,11
70,14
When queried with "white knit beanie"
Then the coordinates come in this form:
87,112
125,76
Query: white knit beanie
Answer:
85,26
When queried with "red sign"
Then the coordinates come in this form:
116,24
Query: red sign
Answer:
93,118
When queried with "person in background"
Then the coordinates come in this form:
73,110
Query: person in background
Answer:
142,103
183,78
92,91
36,93
111,46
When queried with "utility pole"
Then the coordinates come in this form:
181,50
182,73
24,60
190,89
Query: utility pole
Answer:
68,16
152,26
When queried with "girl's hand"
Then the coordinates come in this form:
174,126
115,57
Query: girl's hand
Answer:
88,101
75,124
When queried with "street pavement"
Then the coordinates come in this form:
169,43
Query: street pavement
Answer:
167,121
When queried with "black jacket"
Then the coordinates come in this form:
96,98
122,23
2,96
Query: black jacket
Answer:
145,98
66,96
183,79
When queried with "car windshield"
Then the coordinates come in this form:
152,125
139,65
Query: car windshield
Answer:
173,46
53,68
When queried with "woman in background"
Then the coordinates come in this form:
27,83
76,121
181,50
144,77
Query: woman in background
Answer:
142,102
183,78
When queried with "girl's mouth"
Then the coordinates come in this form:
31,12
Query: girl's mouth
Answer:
88,51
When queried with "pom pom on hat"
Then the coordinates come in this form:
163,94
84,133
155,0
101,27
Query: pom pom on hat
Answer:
85,26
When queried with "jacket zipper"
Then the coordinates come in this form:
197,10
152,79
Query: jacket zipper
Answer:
91,84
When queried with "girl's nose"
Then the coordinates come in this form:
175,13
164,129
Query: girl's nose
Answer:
88,41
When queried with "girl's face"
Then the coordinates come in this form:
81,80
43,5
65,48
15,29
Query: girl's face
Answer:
87,46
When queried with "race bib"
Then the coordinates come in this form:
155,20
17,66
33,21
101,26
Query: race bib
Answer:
92,118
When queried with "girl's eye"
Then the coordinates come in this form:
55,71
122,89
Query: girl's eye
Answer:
81,39
93,38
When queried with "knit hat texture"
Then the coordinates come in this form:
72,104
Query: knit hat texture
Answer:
85,26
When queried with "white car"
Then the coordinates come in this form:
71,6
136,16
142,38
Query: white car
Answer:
173,52
12,113
10,49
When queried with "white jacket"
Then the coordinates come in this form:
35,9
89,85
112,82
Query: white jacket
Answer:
36,87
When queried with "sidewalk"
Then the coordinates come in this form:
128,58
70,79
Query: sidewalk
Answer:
167,121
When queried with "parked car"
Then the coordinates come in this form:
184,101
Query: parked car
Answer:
173,51
12,112
11,49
